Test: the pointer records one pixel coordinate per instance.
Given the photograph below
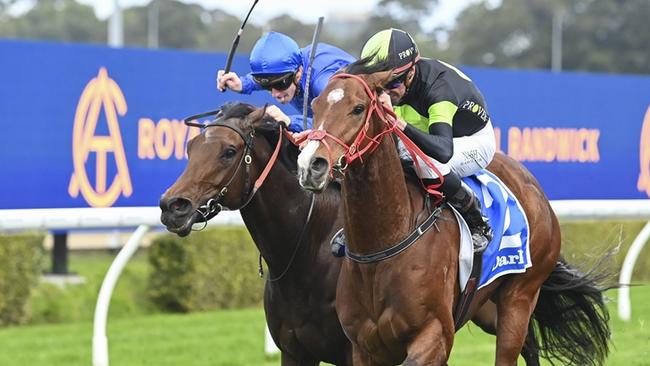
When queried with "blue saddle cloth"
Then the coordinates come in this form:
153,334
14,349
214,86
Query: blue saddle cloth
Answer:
508,252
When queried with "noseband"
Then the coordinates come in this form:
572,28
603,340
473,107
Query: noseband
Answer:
213,206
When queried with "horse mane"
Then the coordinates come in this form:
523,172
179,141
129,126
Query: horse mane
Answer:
288,151
236,110
367,65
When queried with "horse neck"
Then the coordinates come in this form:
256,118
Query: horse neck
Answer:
276,215
377,205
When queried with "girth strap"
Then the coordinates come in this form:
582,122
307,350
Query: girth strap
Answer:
399,247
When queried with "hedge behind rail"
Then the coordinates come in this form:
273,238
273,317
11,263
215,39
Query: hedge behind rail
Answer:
211,269
20,268
217,268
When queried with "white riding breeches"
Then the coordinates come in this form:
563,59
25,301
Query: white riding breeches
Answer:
471,154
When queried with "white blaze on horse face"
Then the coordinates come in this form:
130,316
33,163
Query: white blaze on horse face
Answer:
335,96
305,156
209,134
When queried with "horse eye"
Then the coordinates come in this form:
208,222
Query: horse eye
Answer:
358,109
229,153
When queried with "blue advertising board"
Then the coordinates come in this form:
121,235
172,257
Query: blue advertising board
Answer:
92,126
584,136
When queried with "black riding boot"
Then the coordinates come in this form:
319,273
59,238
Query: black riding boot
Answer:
463,199
468,205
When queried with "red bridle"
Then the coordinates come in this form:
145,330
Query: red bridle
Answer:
357,151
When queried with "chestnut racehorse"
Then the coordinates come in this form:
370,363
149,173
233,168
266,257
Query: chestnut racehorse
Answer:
290,227
400,310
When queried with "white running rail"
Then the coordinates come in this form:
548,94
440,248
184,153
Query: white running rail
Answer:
100,341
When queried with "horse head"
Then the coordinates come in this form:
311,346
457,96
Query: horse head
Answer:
349,123
219,170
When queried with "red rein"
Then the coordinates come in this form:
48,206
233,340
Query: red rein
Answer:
356,151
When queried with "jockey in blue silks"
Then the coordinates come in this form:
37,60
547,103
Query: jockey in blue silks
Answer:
280,66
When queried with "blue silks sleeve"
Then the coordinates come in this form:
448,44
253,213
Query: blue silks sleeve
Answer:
328,61
296,123
320,81
248,85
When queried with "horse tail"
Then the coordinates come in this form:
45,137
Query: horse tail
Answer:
570,319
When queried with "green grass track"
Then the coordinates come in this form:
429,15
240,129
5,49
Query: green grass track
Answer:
236,338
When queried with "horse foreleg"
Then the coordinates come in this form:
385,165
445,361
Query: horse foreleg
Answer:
432,346
514,312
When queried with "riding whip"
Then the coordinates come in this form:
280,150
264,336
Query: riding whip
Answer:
235,42
314,45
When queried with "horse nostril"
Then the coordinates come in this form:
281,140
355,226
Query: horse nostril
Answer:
318,167
178,205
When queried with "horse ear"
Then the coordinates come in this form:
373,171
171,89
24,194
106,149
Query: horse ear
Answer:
377,80
256,115
260,121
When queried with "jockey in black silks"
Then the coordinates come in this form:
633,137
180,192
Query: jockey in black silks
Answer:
442,111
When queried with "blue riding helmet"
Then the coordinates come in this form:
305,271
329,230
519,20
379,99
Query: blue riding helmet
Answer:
275,53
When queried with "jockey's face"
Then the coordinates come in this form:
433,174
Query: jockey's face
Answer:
397,93
285,96
397,90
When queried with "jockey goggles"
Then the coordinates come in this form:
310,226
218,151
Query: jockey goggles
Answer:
396,82
279,82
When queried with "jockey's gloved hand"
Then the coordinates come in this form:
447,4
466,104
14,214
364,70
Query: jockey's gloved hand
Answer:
384,100
276,113
228,80
300,137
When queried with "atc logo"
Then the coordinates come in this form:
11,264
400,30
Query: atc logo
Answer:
100,94
643,183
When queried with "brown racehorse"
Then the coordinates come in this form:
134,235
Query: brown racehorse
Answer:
400,310
299,293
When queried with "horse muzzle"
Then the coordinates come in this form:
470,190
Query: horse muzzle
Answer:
178,215
314,176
